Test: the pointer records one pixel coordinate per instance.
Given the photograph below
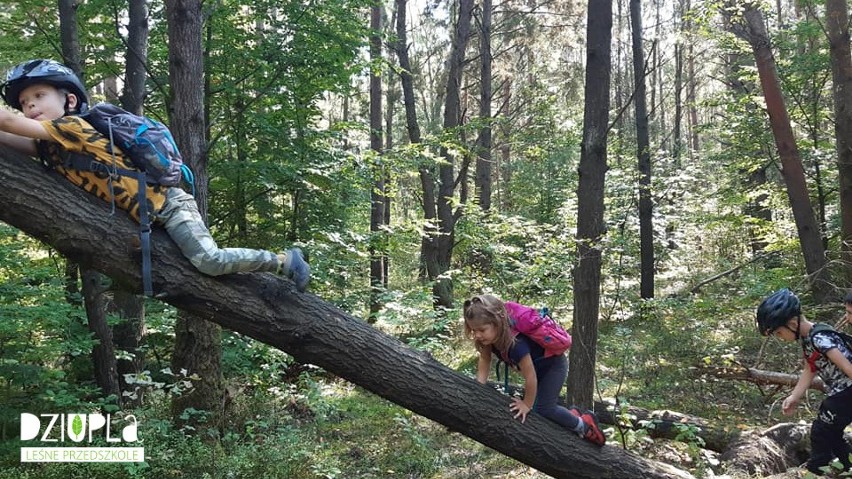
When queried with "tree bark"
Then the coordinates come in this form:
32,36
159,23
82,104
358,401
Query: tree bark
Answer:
438,243
198,348
268,308
691,86
129,335
483,160
677,146
646,207
837,24
761,377
754,31
377,196
135,71
103,353
427,181
393,96
590,204
773,451
69,37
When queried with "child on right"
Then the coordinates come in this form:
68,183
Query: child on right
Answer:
486,322
824,353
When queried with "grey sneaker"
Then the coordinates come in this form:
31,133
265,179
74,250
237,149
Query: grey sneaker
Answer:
296,268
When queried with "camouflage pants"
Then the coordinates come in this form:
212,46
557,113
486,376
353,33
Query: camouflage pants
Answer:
180,217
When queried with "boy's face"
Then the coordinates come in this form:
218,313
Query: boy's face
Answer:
45,102
786,332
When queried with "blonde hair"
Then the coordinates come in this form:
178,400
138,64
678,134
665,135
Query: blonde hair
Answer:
483,310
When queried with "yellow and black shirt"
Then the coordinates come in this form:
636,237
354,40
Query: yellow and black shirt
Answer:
75,135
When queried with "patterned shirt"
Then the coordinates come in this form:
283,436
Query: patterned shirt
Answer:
73,134
834,378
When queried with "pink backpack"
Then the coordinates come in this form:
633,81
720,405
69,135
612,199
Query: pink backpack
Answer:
539,327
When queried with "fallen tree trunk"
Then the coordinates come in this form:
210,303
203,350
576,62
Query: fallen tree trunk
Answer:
733,270
670,425
659,424
268,308
759,376
773,451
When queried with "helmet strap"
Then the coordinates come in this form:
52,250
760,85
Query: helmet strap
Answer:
798,326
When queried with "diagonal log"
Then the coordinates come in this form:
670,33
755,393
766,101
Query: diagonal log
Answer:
269,309
759,376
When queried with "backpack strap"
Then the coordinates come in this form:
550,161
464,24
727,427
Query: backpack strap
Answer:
188,176
820,328
144,235
505,372
80,162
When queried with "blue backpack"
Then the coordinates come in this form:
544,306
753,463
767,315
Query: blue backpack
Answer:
151,148
147,142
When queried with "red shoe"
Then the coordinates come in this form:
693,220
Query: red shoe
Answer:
575,411
593,431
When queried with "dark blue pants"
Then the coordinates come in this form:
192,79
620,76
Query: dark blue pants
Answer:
835,413
551,374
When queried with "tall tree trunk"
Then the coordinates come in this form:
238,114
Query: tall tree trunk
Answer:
129,335
409,100
505,168
658,108
393,96
837,23
135,70
198,347
646,225
590,203
483,160
377,196
69,37
439,240
691,99
72,283
622,90
103,353
436,245
754,31
427,182
677,146
756,179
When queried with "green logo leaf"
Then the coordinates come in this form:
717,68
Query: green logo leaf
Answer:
77,425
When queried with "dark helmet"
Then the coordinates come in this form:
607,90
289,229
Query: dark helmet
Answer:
778,308
42,71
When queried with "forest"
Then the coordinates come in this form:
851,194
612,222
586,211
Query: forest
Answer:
648,171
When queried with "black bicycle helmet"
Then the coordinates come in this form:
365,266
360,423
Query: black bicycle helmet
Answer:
778,308
42,71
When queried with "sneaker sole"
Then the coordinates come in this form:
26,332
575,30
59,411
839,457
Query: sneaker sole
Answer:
598,438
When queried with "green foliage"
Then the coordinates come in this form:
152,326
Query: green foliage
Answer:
42,337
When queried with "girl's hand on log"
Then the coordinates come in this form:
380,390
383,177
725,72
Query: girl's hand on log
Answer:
520,408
